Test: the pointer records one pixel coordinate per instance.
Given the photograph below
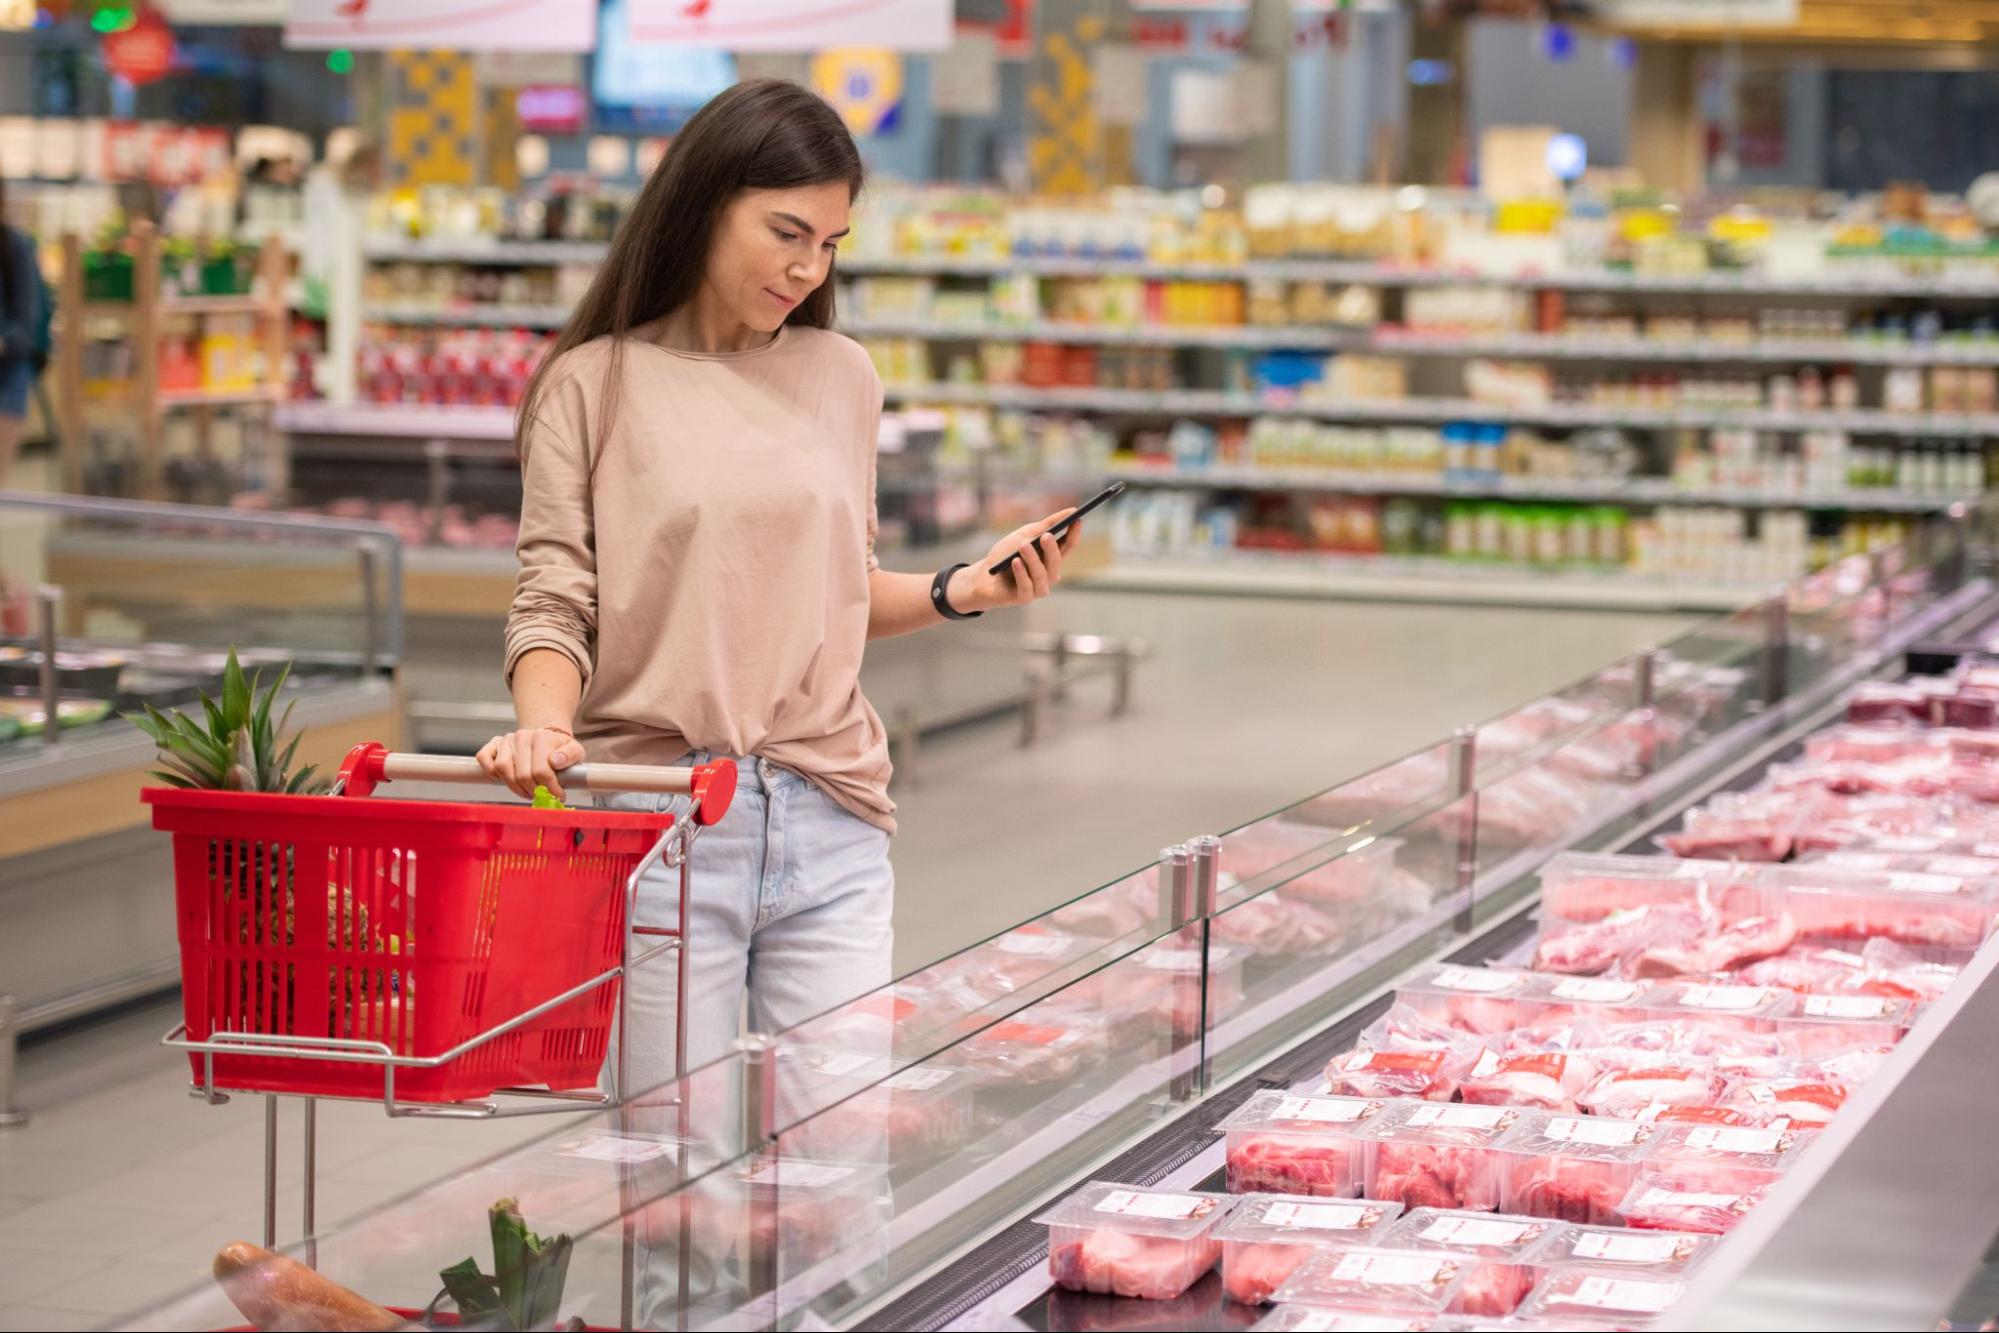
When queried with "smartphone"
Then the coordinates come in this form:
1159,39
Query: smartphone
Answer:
1061,530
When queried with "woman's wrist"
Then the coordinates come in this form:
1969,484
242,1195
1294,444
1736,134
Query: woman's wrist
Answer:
963,591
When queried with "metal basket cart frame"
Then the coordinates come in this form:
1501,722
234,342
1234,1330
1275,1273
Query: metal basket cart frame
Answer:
712,787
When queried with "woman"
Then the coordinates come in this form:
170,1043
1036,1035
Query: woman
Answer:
698,576
20,322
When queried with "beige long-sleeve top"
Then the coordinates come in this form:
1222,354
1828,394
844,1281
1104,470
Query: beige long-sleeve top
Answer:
705,561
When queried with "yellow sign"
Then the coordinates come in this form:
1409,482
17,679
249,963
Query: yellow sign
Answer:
863,84
17,15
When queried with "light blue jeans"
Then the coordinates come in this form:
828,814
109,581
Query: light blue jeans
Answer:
791,901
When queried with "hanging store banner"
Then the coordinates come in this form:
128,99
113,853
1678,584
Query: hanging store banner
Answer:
1697,13
793,25
450,25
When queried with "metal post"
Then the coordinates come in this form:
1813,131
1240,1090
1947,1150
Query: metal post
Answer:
1175,897
1123,661
1776,650
759,1130
11,1116
48,602
270,1171
1060,690
371,636
1644,678
310,1210
1205,856
1464,781
1956,562
1206,852
437,474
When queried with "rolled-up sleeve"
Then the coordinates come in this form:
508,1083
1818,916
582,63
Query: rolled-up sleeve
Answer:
555,595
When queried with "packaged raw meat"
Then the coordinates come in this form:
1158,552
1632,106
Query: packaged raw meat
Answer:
1816,968
1267,1237
808,1210
1886,704
1715,1004
1123,1240
1693,1115
1694,1039
1475,1000
1582,888
1572,1168
1585,1297
1114,911
1896,969
1503,1253
1574,1001
1544,1080
1787,1103
1034,1048
1310,862
1630,1093
1434,1156
1312,1319
1981,872
1652,1254
1715,839
1747,941
1278,1143
1163,991
855,1098
1815,1025
1729,1155
1378,1281
1681,1198
1928,911
1404,1054
1586,950
1273,925
1869,745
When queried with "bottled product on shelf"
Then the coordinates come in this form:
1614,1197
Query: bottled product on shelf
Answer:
445,366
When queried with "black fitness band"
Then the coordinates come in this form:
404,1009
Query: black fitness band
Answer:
942,602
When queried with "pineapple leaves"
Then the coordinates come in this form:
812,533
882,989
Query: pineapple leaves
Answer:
232,745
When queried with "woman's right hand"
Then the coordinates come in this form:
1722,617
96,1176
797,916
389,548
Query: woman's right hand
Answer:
530,758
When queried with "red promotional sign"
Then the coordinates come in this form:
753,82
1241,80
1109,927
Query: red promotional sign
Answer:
143,52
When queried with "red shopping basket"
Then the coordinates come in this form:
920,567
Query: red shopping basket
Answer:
416,924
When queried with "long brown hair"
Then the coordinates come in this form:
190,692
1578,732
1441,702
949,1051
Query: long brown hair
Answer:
763,134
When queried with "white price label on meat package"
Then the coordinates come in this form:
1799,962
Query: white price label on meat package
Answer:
1721,1138
1733,999
1481,1231
1658,1198
1624,1294
1321,1216
1171,1207
919,1080
1603,1133
1324,1110
1034,944
1391,1270
1908,883
1633,1249
1592,991
1846,1006
1462,1117
609,1148
840,1064
1473,979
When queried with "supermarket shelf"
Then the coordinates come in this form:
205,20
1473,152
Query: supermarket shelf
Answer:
1625,491
1163,335
416,422
482,316
482,250
1555,346
1977,281
1413,579
1209,402
214,305
222,397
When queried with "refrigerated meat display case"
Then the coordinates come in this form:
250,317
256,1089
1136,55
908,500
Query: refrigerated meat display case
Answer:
882,1165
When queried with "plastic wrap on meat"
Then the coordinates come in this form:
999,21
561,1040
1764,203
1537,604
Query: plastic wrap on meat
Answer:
1289,1164
1424,1175
1112,912
1720,840
1863,917
1678,1199
1118,1263
1623,1094
1592,948
1808,969
1548,1080
1252,1273
1895,969
1745,942
1569,1189
1494,1291
1275,924
1787,1104
1888,705
1028,1052
1404,1054
1532,807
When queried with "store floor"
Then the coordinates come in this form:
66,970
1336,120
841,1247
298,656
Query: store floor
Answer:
121,1188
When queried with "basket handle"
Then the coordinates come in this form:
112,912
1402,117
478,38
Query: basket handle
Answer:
712,785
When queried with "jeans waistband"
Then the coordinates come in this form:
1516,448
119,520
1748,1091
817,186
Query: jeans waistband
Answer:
752,774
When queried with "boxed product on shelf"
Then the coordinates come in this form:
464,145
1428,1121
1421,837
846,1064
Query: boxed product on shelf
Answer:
1282,1143
1434,1155
1941,912
1717,1004
1794,1103
1404,1054
1544,1080
1037,1047
1128,1241
1379,1281
1590,1297
1649,1254
1639,1086
1732,1154
1690,1198
1585,887
1267,1237
1572,1168
1476,1000
1506,1250
1811,1025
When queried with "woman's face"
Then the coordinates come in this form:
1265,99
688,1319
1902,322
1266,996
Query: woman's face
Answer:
773,248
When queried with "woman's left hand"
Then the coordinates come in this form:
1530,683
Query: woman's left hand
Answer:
1032,577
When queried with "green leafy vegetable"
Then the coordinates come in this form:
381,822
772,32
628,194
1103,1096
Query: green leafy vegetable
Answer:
544,799
529,1273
